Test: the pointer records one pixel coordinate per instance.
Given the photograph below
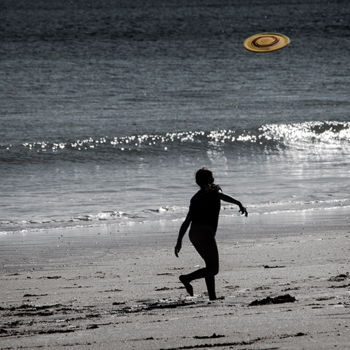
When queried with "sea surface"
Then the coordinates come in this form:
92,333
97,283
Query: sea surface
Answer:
107,108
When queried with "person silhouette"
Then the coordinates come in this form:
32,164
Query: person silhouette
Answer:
203,216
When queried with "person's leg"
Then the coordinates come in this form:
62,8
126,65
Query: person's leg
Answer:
195,275
210,282
212,268
187,284
207,249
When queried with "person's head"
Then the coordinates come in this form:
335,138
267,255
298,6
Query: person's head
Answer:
204,177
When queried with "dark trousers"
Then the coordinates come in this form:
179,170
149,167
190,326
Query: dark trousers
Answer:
203,239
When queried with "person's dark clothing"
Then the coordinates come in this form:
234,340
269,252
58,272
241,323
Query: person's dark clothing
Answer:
205,207
204,213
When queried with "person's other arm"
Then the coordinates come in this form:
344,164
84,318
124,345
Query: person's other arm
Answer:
229,199
182,232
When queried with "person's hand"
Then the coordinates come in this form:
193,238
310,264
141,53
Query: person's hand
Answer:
177,249
243,211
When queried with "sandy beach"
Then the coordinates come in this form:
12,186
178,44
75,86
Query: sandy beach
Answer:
284,283
108,109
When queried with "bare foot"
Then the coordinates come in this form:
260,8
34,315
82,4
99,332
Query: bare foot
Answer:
216,298
187,285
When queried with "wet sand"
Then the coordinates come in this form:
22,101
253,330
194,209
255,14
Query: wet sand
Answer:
284,283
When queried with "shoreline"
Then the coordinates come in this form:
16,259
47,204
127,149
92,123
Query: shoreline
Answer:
168,214
95,289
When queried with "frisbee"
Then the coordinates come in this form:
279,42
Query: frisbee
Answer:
266,42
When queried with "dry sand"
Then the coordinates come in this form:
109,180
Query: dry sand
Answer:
116,287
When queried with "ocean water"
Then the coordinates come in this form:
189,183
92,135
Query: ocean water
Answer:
107,108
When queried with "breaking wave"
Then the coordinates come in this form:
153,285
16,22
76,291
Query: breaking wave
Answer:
325,134
112,216
166,213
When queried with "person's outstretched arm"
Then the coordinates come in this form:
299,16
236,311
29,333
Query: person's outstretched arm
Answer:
182,232
229,199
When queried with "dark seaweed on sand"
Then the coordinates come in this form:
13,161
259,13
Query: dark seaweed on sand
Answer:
276,300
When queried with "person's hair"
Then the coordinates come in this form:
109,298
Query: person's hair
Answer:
204,177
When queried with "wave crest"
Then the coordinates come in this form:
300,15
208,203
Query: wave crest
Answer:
277,136
307,132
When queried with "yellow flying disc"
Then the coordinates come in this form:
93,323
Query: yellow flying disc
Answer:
266,42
